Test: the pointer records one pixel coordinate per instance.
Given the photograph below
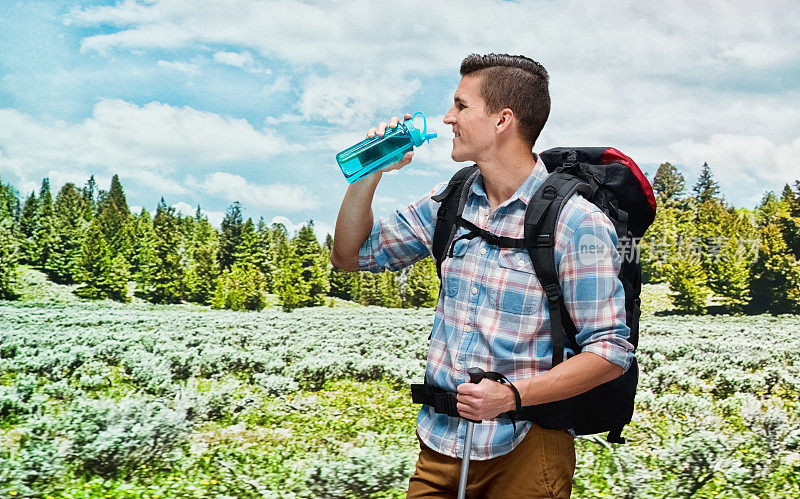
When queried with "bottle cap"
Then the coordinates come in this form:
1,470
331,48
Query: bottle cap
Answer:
418,137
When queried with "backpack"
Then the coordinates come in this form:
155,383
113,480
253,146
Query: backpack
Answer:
615,184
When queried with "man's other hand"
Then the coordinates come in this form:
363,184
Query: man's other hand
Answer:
484,400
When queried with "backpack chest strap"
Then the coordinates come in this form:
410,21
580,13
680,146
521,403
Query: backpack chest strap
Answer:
475,231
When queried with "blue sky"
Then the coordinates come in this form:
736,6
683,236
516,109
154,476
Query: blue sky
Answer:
209,102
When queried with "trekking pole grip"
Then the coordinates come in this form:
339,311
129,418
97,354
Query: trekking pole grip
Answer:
476,375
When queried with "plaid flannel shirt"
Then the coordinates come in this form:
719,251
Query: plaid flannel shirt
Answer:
492,312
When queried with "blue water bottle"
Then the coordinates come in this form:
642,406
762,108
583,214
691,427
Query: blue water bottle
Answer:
373,154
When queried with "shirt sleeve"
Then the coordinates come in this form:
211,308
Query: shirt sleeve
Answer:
593,293
403,238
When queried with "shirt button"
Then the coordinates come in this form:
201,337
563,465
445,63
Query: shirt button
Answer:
521,263
475,290
457,366
483,251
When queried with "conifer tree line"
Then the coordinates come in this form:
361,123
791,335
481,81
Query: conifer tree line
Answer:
709,252
89,237
713,254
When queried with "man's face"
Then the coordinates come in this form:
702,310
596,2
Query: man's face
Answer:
474,130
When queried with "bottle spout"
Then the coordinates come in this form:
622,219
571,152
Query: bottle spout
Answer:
418,136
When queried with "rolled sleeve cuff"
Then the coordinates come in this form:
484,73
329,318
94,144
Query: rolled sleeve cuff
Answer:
367,254
617,351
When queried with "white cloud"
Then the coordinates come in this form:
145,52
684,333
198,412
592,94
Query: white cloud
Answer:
285,118
181,67
673,76
143,143
214,217
735,158
237,59
281,84
236,188
344,99
671,72
150,179
362,34
185,209
321,230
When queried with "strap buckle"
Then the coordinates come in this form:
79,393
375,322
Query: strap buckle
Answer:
540,240
553,292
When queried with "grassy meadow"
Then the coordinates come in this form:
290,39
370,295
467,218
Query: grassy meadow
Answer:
102,399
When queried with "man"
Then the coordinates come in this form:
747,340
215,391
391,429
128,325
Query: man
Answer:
491,311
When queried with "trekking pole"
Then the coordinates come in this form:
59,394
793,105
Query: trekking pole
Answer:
476,374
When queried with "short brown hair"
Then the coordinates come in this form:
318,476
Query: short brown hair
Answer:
515,82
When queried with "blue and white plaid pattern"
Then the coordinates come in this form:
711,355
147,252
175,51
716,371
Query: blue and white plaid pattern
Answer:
492,311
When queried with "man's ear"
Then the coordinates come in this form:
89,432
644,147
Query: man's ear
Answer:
504,120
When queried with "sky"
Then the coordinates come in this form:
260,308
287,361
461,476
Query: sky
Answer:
207,102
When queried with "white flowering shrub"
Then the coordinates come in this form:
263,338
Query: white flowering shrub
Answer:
364,472
107,399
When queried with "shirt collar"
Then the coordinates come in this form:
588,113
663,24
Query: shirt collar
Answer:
525,191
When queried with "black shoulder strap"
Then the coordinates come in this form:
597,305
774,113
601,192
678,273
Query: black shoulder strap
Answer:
541,218
453,199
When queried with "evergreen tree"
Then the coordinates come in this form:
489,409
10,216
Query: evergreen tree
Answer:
143,247
770,210
231,235
262,255
775,283
728,265
247,251
776,275
789,197
790,230
288,282
381,289
314,269
117,288
239,288
8,243
370,290
9,202
658,243
795,208
423,284
668,182
278,251
203,269
327,247
165,273
687,281
8,259
95,268
115,220
28,222
44,233
706,188
69,225
89,194
343,284
389,289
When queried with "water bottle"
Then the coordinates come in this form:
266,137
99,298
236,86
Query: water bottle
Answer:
373,154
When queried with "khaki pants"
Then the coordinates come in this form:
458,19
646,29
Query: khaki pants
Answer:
541,466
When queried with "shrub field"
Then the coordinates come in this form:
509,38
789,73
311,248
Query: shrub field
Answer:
102,399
